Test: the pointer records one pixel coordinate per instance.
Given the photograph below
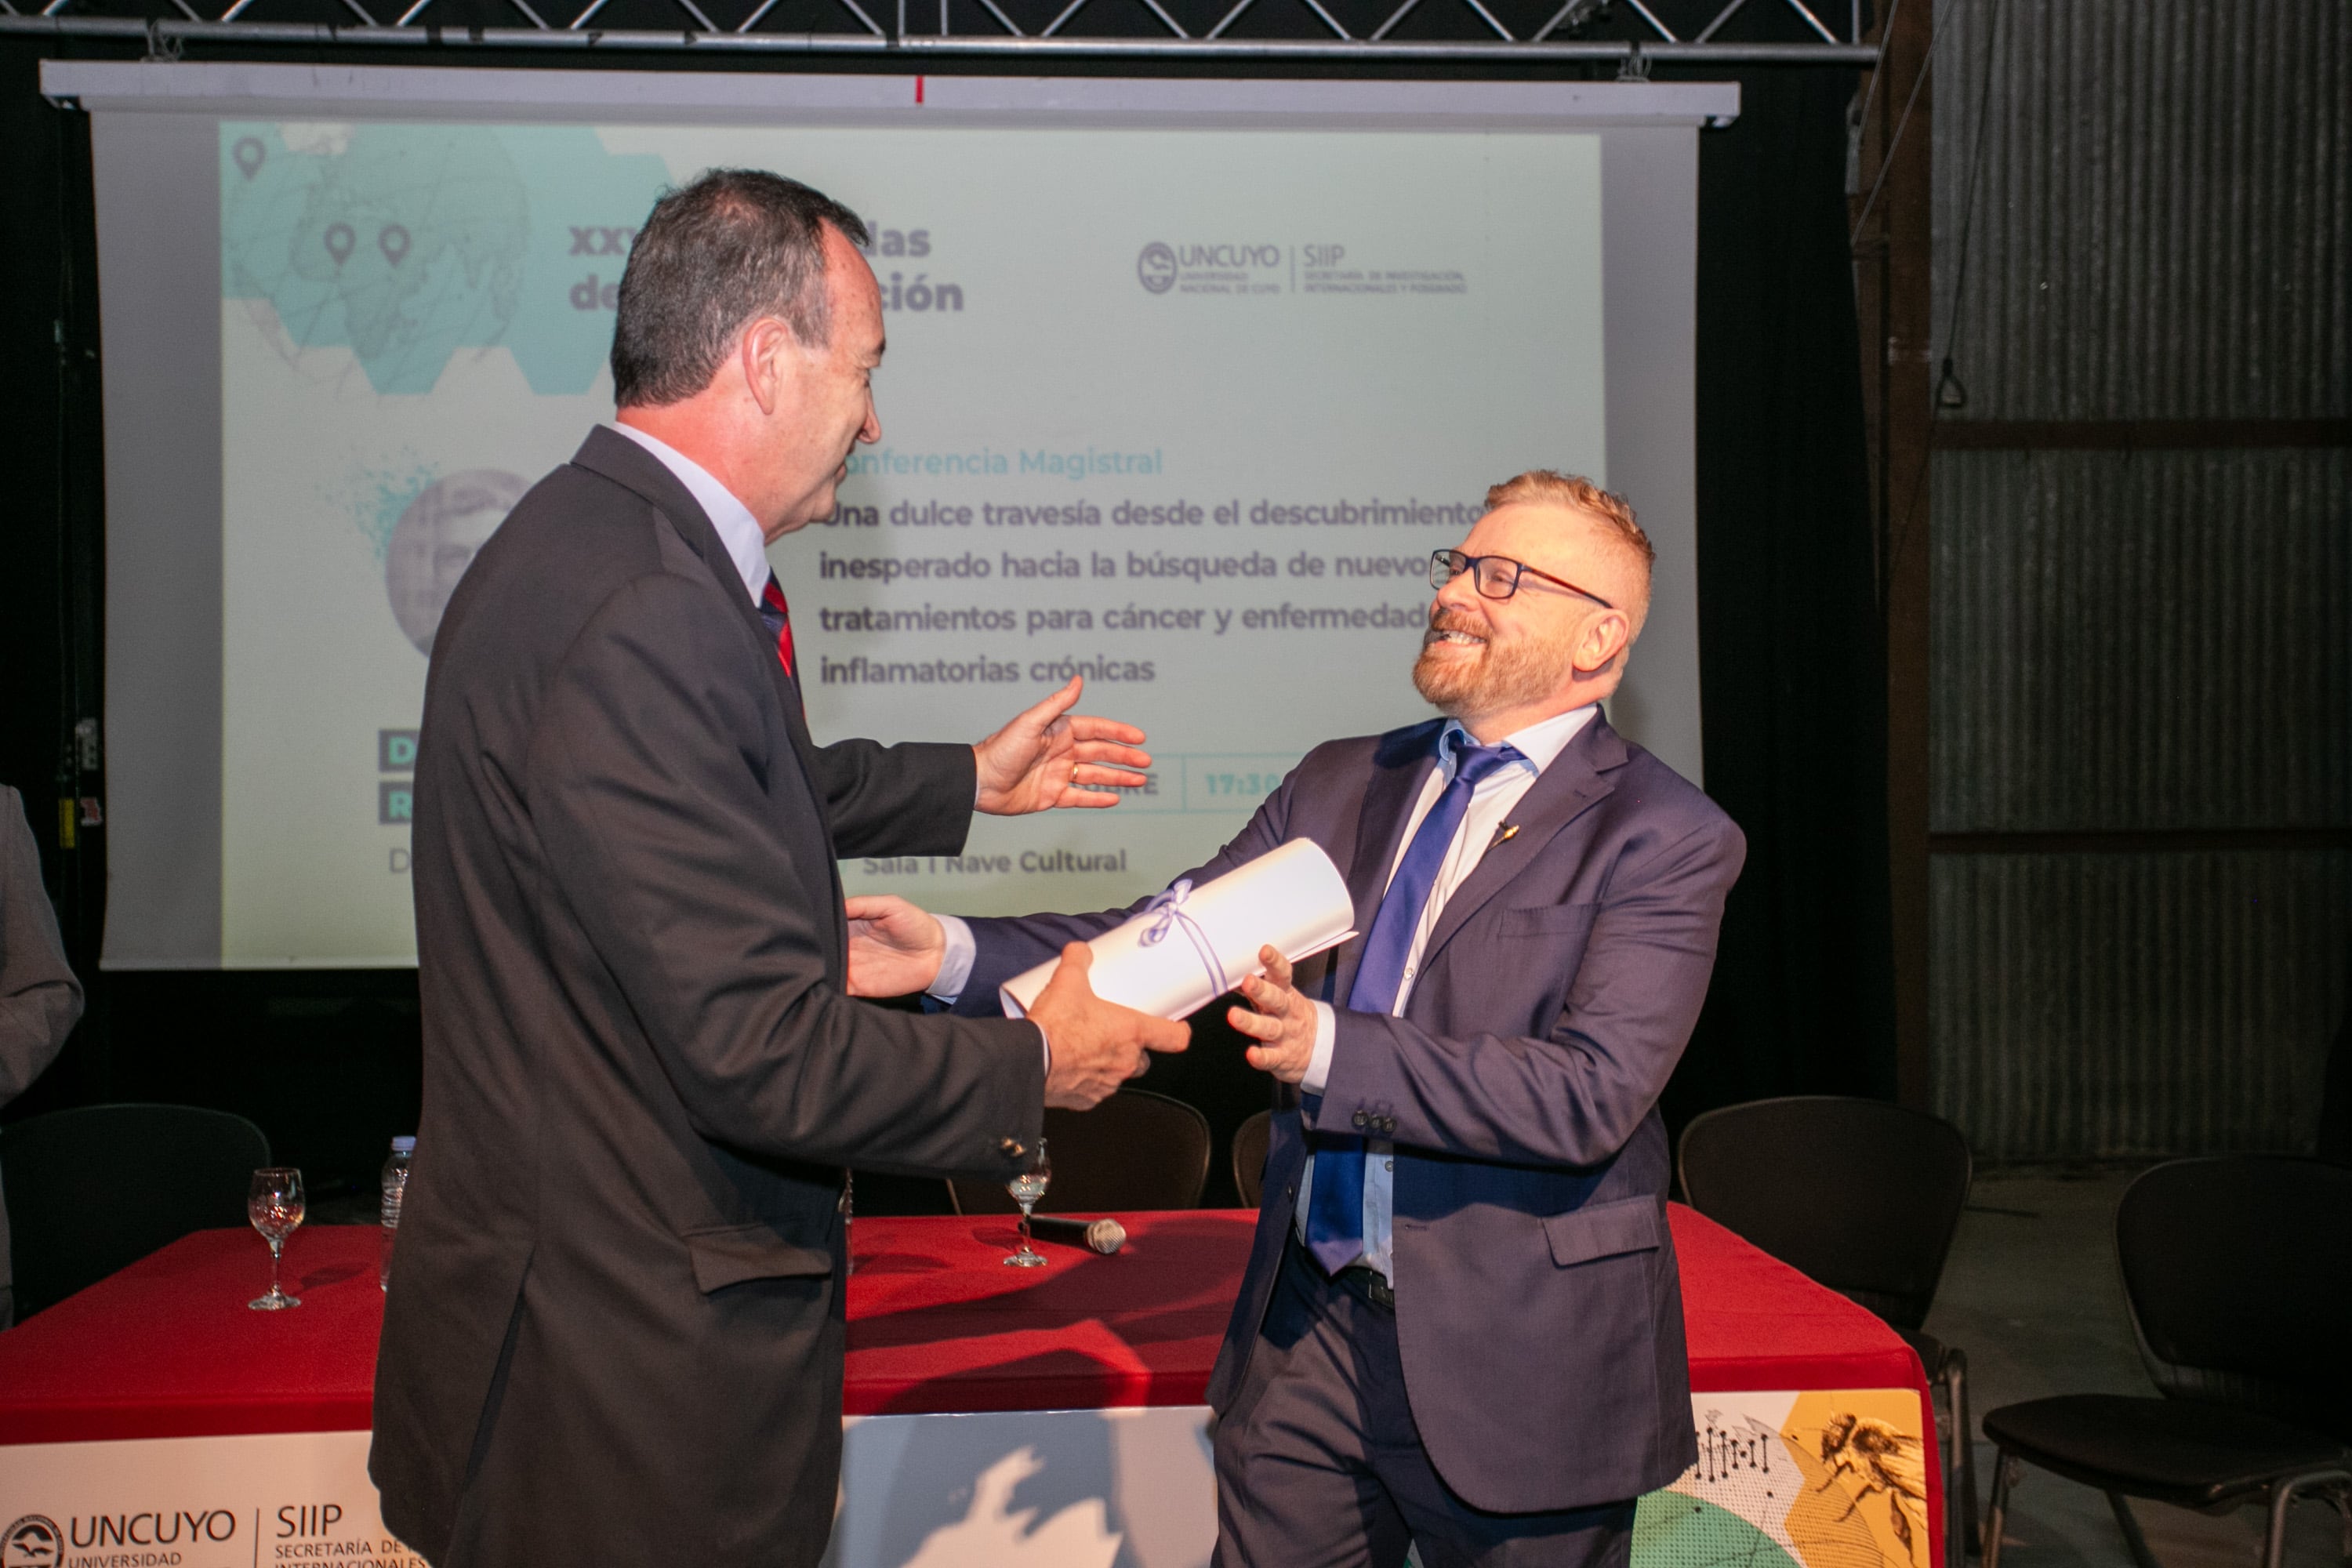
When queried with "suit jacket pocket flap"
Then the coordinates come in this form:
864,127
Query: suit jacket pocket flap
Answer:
1604,1230
735,1253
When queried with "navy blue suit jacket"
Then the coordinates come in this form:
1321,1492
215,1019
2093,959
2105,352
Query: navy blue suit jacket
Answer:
1538,1306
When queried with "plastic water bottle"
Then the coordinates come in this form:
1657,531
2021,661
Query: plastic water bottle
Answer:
395,1185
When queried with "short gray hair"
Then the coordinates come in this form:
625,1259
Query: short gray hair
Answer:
733,246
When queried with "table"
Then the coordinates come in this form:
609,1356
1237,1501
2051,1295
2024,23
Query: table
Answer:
993,1415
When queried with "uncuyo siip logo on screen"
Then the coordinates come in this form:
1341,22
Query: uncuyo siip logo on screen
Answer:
1243,266
1155,267
1248,268
33,1541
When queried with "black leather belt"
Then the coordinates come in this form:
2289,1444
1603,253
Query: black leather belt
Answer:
1360,1280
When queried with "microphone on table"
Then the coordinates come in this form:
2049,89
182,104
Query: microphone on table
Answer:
1103,1236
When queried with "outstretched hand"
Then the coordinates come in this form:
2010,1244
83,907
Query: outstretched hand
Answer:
894,948
1050,757
1279,1017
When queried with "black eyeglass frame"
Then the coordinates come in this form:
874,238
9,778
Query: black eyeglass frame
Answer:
1443,570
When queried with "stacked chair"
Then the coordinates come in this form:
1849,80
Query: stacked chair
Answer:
2238,1273
92,1191
1865,1197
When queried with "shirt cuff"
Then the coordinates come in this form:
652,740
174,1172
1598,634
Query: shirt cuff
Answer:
956,962
1327,1037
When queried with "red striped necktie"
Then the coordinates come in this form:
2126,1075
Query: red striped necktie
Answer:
778,616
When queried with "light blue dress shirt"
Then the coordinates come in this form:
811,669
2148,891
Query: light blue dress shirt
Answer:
738,531
1490,808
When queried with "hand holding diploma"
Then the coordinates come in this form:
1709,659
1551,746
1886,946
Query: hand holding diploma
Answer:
1097,1045
1120,993
1190,944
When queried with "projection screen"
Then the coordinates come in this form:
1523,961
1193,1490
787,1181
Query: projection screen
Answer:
1185,380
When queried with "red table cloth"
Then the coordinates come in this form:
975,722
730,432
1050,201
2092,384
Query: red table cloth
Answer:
167,1348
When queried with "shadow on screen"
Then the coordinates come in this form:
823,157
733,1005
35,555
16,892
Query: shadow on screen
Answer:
1067,1486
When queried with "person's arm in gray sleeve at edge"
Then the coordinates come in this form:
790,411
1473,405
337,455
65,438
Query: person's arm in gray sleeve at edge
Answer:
39,997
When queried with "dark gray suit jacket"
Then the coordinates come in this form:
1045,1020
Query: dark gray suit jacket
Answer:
39,997
616,1323
1538,1308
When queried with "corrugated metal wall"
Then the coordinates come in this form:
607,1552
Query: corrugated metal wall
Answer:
2154,641
2104,1006
2136,641
2163,198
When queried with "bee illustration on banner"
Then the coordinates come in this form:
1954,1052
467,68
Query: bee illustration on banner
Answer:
1882,1461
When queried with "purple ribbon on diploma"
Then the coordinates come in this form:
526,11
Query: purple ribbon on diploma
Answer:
1170,907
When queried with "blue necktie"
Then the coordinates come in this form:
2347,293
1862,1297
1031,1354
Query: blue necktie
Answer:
1335,1213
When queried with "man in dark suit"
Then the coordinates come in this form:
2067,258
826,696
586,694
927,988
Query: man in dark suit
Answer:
616,1323
1462,1322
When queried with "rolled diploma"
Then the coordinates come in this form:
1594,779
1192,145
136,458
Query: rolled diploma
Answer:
1291,898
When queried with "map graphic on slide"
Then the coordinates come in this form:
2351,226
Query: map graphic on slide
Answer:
408,243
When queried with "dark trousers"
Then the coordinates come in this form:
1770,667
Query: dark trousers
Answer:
1319,1464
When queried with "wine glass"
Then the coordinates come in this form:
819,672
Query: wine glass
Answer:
274,1204
848,1219
1027,1185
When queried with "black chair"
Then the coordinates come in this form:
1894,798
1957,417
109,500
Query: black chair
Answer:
2236,1270
1865,1197
1135,1151
94,1190
2334,1142
1250,1141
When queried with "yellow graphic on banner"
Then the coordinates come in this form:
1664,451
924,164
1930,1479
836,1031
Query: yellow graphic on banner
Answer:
1820,1479
1864,1502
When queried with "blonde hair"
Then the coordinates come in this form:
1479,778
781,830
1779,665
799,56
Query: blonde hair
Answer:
1544,487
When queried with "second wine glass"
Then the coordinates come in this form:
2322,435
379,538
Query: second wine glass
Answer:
1027,1185
275,1205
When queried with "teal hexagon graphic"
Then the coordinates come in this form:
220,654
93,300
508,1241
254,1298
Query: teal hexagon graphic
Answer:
409,243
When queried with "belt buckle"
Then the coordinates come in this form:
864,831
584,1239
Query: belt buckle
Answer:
1376,1289
1361,1277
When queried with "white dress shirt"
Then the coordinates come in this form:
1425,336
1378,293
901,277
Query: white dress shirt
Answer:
738,531
1491,803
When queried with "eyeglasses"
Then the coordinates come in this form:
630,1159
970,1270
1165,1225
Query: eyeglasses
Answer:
1498,575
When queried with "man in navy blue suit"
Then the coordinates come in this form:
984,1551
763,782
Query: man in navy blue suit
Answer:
1462,1322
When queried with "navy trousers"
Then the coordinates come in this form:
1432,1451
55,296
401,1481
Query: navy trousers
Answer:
1319,1464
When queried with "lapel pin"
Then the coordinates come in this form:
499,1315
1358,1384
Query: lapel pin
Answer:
1505,834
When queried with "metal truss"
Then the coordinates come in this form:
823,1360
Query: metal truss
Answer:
1499,32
